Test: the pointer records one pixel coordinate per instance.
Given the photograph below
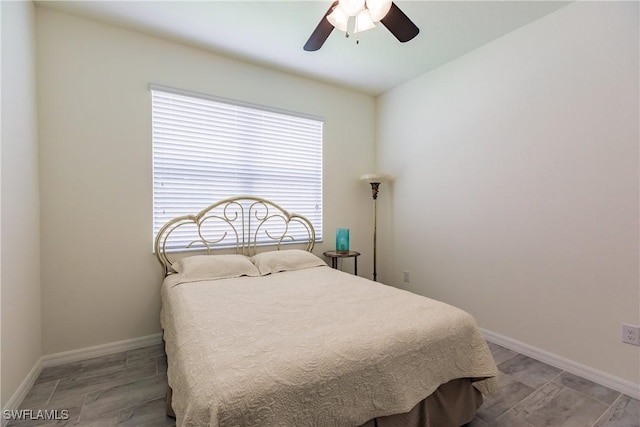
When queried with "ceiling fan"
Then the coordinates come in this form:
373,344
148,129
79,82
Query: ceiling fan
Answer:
365,14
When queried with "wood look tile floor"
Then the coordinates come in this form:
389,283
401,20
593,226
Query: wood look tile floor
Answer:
128,389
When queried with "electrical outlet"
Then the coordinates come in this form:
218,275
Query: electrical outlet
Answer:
631,334
405,276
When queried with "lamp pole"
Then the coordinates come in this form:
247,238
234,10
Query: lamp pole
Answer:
374,194
375,179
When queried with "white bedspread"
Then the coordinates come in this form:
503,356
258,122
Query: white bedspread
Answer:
313,347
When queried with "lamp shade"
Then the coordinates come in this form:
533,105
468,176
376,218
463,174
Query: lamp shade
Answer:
375,177
351,7
363,21
378,8
338,19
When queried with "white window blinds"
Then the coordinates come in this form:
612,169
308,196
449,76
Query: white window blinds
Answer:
206,149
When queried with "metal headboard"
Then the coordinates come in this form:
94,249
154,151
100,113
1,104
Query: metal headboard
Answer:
242,222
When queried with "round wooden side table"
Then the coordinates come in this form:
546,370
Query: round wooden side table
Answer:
334,255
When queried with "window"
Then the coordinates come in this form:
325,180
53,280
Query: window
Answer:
206,149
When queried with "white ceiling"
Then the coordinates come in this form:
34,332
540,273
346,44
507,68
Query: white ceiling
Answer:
272,33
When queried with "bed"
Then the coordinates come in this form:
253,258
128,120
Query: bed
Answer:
263,333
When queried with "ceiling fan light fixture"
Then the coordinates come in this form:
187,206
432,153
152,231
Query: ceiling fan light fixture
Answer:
378,8
363,21
367,13
338,19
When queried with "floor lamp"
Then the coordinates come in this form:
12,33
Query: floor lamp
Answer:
375,179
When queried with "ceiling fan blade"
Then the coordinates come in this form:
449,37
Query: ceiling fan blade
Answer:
399,24
321,33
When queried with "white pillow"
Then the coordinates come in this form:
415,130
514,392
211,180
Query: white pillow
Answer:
211,267
285,260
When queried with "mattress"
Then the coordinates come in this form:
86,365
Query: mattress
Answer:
314,346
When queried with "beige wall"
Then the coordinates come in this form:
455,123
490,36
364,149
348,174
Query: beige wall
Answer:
100,281
20,248
516,191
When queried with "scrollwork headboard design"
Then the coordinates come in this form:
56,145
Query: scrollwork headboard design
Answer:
243,223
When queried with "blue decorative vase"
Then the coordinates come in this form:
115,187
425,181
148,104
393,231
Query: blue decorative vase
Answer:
342,239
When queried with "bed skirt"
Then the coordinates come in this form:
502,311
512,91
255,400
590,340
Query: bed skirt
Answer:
453,404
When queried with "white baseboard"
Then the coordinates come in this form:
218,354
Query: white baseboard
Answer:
17,397
616,383
74,356
99,350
